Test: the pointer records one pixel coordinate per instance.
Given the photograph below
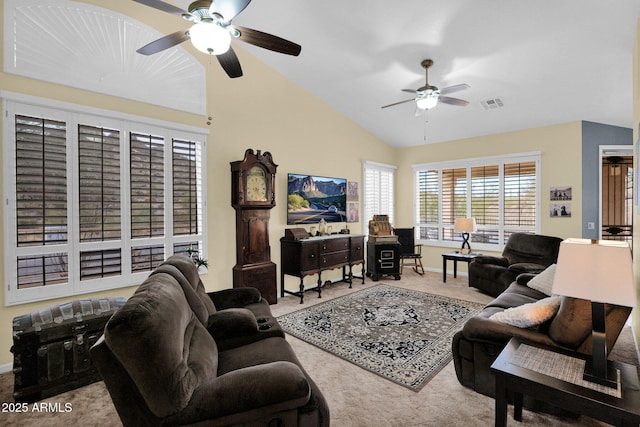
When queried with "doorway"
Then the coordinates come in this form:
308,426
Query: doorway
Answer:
616,193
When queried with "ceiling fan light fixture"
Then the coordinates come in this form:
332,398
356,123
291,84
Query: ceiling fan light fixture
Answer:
428,101
210,38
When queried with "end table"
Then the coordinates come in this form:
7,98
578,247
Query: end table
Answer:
554,383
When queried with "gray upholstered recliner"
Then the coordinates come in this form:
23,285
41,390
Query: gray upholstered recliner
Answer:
523,253
160,360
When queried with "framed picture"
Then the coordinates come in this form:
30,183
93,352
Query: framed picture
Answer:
560,210
560,193
353,211
352,191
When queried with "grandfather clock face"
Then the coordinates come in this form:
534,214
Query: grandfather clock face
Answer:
256,185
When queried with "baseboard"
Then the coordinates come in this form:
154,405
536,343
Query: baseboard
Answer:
7,367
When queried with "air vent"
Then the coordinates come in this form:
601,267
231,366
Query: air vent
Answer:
492,104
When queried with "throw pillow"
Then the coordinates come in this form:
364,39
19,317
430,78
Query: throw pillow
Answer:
531,314
543,282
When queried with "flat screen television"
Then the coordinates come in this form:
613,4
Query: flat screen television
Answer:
311,198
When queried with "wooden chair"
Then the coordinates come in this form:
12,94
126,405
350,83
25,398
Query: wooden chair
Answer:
410,252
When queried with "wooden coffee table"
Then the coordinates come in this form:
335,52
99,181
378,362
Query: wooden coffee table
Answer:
510,375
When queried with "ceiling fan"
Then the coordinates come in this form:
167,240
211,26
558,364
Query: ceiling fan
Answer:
211,32
427,96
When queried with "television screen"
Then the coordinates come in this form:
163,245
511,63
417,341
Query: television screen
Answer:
311,198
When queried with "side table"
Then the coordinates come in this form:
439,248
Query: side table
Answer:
455,257
550,375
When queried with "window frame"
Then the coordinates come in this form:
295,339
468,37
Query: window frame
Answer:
74,115
468,164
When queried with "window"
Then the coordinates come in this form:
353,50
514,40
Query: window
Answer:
96,200
377,192
502,193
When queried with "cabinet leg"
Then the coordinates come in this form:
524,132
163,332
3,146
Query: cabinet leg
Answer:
319,285
301,290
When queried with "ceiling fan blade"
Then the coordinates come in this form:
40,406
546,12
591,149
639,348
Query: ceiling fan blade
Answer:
228,9
453,101
268,41
413,91
162,6
230,63
398,103
455,88
165,42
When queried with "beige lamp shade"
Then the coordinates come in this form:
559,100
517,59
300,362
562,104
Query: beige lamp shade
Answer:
465,225
595,270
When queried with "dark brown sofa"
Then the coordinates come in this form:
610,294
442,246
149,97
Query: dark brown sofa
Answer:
481,340
523,253
175,355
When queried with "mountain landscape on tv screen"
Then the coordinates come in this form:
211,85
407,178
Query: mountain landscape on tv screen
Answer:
313,198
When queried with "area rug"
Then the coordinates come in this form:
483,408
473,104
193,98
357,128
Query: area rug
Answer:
400,334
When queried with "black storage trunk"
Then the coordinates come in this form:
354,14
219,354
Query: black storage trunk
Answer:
51,347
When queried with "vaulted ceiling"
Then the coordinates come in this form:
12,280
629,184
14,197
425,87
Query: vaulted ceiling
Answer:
547,61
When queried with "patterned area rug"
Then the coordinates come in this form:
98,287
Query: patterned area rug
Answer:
399,334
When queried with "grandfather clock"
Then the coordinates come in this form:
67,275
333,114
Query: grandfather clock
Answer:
253,196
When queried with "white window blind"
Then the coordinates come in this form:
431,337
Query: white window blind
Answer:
502,193
95,202
378,196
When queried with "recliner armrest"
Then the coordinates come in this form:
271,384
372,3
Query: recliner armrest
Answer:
488,259
483,329
235,397
527,267
235,297
524,278
232,323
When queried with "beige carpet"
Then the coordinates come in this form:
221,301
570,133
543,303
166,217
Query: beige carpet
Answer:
357,398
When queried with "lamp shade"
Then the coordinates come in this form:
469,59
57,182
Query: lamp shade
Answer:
465,225
428,101
209,37
595,270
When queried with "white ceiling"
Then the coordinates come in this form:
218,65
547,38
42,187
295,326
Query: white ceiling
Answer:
550,61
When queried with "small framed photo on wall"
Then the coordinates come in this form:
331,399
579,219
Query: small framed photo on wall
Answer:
560,210
560,193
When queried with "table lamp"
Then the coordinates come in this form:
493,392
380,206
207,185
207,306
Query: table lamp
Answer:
465,226
600,271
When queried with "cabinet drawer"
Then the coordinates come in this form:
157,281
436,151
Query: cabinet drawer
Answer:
357,249
334,245
334,259
309,257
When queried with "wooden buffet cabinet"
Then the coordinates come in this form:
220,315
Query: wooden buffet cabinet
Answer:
313,255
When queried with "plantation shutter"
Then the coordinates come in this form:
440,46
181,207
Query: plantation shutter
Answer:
147,185
520,194
485,201
454,198
40,200
185,187
428,215
41,181
377,192
99,178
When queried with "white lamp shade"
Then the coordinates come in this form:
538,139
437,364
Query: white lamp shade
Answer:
599,271
428,101
210,38
465,225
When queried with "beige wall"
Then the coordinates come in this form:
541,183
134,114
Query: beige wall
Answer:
261,110
560,147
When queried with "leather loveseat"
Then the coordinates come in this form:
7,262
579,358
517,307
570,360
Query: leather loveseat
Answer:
175,355
481,340
523,253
